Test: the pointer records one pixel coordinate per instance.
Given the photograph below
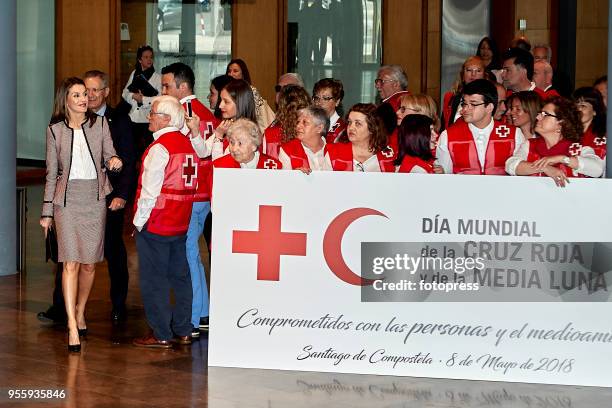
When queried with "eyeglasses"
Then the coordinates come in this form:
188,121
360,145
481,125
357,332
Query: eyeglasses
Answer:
545,114
380,81
317,98
473,70
403,109
465,104
155,113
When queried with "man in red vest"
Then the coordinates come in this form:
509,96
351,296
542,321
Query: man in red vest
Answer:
478,144
178,80
517,72
307,151
391,83
166,187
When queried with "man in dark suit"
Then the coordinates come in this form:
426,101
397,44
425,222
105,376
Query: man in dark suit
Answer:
123,184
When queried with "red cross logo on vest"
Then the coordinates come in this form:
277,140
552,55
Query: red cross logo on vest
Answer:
502,131
575,149
334,127
209,129
269,243
388,152
600,141
270,164
190,171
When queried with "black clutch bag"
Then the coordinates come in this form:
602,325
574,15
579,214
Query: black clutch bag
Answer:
51,245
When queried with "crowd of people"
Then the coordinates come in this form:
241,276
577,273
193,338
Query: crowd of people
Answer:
503,116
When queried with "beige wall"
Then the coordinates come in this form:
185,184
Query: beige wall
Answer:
591,41
537,15
87,35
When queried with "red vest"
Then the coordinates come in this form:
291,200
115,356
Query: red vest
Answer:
538,149
172,210
598,143
265,162
208,123
341,157
464,155
335,131
409,162
296,153
273,137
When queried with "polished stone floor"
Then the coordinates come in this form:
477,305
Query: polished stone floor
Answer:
109,372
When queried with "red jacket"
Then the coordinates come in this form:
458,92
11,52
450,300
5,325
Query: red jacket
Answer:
172,211
227,162
208,123
410,162
464,155
296,153
335,131
598,143
273,137
538,149
341,157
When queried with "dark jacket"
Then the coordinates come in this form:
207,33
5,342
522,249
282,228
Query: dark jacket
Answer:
124,182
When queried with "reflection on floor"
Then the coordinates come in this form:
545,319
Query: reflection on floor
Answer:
109,372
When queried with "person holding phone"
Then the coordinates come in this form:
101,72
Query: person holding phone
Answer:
79,150
178,80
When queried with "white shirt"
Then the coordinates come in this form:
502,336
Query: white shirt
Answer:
138,114
481,140
333,119
589,163
371,165
252,164
153,169
316,161
82,166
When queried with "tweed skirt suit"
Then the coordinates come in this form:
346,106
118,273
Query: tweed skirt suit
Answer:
78,206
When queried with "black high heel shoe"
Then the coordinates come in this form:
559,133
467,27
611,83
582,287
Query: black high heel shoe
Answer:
82,332
74,348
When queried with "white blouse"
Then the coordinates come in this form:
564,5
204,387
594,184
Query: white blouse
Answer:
82,166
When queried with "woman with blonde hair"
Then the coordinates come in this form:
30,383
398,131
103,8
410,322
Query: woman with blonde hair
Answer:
523,108
420,104
79,150
472,69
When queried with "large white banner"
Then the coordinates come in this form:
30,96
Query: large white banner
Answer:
327,272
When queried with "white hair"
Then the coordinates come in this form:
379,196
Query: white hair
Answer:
396,72
248,127
296,78
548,50
170,106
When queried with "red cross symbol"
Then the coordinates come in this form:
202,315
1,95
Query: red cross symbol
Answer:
207,129
269,243
270,164
190,171
575,149
600,141
502,131
388,152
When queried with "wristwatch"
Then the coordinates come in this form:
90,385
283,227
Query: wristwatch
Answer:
566,160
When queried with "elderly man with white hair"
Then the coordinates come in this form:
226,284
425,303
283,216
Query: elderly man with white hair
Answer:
543,78
391,83
164,197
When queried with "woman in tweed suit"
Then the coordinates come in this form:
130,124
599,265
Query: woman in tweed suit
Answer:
79,150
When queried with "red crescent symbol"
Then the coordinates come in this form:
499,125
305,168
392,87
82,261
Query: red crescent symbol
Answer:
332,245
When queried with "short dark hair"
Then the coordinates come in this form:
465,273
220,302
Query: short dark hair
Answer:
522,58
142,49
389,117
601,80
243,67
219,83
182,74
242,95
414,138
482,87
593,96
